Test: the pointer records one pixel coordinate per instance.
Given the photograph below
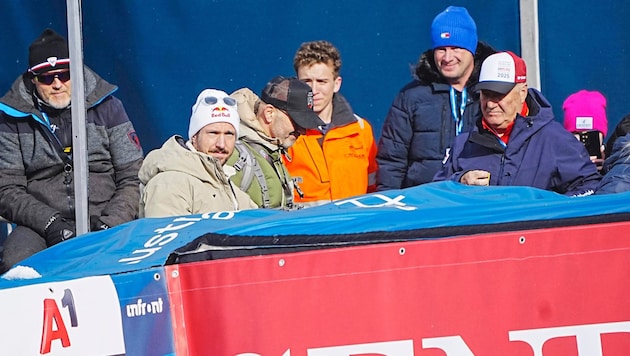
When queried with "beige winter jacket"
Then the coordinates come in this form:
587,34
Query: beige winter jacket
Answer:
179,181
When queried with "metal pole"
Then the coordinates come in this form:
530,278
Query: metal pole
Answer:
79,139
530,41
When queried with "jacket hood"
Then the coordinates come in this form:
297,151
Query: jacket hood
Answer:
540,112
426,70
251,130
342,112
176,156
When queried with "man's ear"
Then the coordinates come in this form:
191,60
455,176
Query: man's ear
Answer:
338,81
268,113
523,92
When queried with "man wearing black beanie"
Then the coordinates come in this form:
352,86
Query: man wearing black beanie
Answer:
36,169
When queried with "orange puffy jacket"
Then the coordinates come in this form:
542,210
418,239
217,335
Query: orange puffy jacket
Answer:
339,164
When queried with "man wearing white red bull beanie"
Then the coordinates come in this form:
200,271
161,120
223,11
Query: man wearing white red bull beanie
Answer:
189,177
438,105
517,142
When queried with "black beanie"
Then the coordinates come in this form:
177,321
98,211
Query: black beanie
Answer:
48,52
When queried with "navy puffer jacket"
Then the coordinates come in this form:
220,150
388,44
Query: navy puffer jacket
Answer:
617,166
420,127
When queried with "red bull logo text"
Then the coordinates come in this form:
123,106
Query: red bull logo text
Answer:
220,111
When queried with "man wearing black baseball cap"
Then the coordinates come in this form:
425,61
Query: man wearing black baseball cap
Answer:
295,98
269,125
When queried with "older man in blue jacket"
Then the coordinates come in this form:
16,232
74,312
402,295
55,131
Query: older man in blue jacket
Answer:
517,141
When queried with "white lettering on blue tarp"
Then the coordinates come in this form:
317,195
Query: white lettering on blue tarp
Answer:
165,235
387,202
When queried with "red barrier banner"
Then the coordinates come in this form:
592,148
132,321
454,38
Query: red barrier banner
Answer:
561,291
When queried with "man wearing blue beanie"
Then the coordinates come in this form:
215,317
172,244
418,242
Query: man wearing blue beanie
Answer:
454,28
439,104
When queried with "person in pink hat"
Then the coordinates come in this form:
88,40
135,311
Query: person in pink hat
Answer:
585,117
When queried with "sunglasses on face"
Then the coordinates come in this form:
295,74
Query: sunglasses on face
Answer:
211,100
48,79
299,130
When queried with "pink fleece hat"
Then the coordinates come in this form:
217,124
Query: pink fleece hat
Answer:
584,111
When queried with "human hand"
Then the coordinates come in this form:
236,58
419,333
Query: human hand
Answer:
599,162
476,177
59,230
96,224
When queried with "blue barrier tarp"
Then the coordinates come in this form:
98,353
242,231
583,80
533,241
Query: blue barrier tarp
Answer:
147,243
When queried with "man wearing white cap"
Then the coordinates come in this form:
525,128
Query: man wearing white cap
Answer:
189,177
517,142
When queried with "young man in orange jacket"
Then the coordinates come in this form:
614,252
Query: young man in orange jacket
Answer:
336,160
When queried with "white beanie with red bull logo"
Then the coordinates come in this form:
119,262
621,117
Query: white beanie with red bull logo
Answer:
212,106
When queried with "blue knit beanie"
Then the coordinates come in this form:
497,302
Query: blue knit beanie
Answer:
454,27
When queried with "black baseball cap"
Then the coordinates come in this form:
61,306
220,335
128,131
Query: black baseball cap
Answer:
293,96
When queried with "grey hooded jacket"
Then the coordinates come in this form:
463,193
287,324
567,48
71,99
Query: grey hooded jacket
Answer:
36,175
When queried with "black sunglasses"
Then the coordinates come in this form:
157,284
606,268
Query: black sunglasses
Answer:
48,79
211,100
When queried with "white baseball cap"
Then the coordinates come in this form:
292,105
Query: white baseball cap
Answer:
501,71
